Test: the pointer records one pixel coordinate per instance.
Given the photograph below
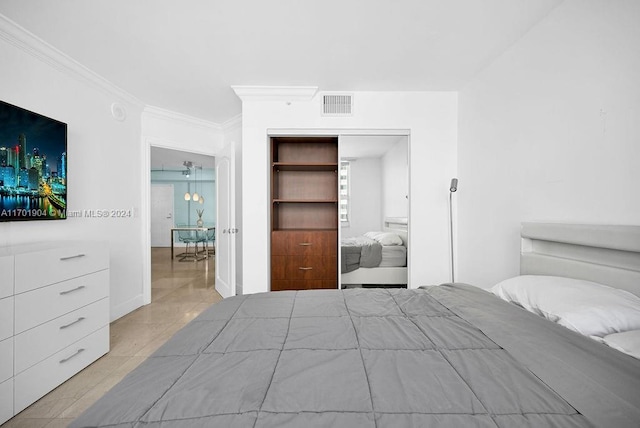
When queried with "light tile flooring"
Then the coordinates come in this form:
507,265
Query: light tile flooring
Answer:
180,291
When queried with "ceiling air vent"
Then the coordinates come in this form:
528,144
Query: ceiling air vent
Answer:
337,105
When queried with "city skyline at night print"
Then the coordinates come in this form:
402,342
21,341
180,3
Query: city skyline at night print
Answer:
33,165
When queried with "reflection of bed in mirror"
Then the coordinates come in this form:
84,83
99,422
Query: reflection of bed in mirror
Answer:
392,270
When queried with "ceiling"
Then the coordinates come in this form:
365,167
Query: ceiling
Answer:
184,55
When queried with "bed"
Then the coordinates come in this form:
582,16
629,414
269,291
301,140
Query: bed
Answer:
452,355
392,271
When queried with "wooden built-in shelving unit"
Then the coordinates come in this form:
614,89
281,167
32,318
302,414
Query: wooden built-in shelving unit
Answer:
304,208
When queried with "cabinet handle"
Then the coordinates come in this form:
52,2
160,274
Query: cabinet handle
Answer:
62,293
64,360
77,256
62,327
305,244
305,268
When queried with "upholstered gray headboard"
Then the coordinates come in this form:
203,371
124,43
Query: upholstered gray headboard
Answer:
606,254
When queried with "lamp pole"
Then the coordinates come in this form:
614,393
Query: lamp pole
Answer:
452,189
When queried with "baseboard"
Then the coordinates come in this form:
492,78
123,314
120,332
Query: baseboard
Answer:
126,307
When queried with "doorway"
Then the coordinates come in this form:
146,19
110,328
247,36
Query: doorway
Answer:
182,195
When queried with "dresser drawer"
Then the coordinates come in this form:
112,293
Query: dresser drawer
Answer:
40,268
307,284
38,343
36,381
6,276
303,267
6,400
6,317
6,359
304,243
44,304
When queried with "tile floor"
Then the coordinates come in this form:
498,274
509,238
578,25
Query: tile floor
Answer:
180,291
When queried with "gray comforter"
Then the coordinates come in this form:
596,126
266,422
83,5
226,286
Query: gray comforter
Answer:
447,356
359,252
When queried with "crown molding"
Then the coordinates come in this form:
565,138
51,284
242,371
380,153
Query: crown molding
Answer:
33,45
275,93
232,124
163,114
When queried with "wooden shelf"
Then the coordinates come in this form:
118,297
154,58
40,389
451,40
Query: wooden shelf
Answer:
304,230
305,215
305,201
297,166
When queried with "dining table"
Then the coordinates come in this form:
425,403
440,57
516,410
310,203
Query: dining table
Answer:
205,229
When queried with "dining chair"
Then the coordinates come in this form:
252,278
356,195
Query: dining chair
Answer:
188,237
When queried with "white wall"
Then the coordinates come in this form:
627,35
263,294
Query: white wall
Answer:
550,132
366,197
164,128
103,156
432,120
395,180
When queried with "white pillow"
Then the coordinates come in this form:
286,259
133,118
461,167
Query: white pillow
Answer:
587,307
384,238
627,342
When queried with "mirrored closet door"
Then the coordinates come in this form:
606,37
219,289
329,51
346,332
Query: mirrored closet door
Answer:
373,204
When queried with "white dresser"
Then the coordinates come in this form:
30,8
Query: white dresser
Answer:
54,317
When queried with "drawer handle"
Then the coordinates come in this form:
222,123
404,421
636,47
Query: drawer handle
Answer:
64,360
305,268
62,327
305,244
77,256
62,293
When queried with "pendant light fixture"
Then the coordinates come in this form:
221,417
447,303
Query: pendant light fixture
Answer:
187,173
195,196
201,199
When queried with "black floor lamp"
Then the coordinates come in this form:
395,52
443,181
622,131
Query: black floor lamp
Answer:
452,188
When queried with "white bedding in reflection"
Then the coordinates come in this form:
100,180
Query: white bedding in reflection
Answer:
394,256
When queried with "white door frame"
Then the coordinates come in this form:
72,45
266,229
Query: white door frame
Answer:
145,209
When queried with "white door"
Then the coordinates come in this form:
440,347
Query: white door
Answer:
161,214
225,223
